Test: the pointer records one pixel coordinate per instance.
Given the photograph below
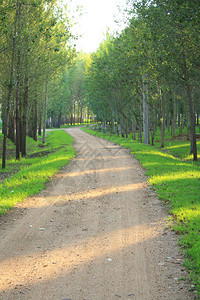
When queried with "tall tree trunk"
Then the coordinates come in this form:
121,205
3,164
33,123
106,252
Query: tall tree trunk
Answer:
88,115
30,122
191,111
40,122
126,127
71,119
179,119
118,124
181,124
122,125
81,118
173,133
153,125
17,113
45,109
134,128
11,125
140,131
10,89
145,111
35,115
162,118
24,117
74,113
59,119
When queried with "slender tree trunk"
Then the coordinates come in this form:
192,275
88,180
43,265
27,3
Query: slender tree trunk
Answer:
74,113
153,126
126,127
88,115
188,127
71,119
145,111
9,90
20,119
179,119
181,124
3,117
11,125
45,109
174,116
122,125
59,119
35,119
24,117
140,132
30,122
134,128
81,120
162,119
17,113
40,123
191,111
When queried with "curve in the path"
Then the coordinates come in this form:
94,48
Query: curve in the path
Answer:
96,232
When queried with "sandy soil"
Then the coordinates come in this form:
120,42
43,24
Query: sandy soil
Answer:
97,232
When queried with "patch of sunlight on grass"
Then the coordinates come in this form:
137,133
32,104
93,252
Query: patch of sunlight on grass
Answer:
34,172
174,176
177,146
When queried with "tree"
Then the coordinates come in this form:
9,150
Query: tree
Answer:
36,47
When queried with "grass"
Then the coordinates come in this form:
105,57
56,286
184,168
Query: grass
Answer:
177,183
30,174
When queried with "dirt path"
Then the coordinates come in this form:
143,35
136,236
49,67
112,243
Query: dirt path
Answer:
96,232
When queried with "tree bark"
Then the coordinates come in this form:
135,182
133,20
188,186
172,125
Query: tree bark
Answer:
35,116
145,111
162,119
191,111
17,113
126,127
40,123
122,125
24,117
11,125
74,113
45,109
173,116
9,90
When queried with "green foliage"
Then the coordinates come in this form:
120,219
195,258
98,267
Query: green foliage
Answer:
177,185
34,171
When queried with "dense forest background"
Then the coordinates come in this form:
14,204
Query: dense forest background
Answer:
141,79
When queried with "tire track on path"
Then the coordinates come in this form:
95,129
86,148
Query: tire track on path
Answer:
96,233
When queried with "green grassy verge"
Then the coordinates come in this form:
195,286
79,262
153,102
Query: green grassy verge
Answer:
177,183
86,123
35,170
178,147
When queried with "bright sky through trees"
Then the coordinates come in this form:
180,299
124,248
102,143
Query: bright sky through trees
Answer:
98,15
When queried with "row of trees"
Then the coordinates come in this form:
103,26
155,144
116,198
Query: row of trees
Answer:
67,102
144,77
148,75
35,49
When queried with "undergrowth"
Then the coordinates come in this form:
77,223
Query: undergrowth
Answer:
177,183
